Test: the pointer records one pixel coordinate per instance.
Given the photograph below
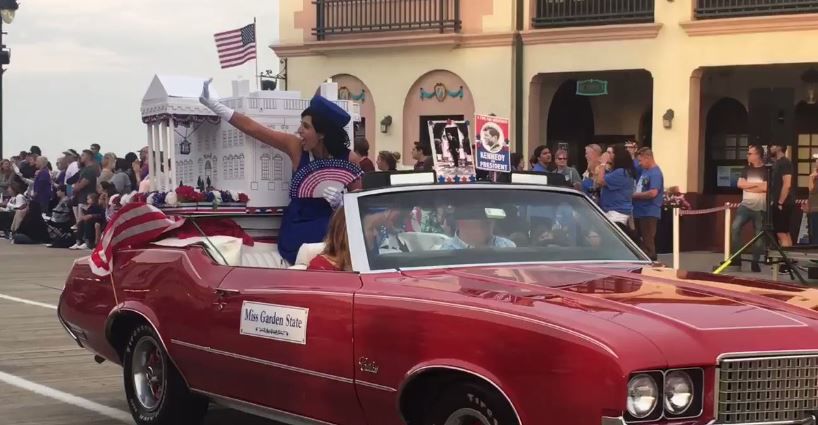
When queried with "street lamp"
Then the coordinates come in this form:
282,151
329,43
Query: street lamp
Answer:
7,10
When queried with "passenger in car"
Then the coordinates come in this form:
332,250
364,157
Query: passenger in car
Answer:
335,256
320,136
475,229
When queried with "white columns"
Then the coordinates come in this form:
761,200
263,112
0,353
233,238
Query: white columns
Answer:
151,150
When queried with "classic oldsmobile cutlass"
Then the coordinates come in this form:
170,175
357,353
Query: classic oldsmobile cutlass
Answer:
468,304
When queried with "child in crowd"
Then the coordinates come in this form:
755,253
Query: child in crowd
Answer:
93,214
16,203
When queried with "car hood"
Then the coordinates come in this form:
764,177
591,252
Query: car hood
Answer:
685,318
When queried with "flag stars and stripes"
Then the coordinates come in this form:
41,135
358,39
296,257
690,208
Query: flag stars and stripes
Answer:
236,47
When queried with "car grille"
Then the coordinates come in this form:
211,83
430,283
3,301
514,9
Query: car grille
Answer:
767,389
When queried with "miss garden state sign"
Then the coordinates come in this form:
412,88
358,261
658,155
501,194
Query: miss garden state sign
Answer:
278,322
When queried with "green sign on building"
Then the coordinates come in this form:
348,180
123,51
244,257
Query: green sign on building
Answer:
592,88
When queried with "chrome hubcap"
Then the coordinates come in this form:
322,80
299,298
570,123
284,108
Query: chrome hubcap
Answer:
148,373
467,416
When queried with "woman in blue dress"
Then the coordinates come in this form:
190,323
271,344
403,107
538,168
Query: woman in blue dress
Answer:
320,136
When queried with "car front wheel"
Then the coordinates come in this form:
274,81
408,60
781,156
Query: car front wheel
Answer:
470,403
156,393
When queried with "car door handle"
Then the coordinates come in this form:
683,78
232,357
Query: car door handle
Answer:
221,295
221,292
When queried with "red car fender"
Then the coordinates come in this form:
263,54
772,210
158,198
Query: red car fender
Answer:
465,367
149,316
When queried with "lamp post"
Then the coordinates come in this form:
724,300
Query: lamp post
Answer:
7,10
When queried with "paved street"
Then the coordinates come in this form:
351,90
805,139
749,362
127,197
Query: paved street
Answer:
44,377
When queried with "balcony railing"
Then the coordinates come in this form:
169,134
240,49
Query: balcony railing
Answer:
709,9
570,13
334,17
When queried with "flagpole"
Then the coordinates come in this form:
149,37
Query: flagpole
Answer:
258,76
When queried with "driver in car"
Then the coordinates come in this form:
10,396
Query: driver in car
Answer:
475,229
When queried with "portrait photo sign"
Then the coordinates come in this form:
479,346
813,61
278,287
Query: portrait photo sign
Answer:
491,146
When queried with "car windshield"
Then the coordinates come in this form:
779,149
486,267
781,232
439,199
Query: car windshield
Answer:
447,227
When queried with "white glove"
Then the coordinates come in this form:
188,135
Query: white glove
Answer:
334,196
214,105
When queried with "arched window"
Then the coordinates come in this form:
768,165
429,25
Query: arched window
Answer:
265,167
726,144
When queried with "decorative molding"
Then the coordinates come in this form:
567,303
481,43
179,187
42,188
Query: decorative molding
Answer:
593,33
440,92
755,24
451,40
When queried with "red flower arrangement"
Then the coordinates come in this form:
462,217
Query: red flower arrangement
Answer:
188,194
243,198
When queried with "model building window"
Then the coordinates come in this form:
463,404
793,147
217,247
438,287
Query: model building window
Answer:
265,167
278,168
241,166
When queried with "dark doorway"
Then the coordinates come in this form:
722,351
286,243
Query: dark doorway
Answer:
726,140
646,128
571,124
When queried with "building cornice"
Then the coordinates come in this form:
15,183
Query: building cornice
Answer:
755,24
594,33
317,48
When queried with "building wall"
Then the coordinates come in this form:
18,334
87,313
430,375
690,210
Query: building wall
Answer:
673,50
673,58
390,75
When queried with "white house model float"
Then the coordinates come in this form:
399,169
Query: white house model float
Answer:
210,166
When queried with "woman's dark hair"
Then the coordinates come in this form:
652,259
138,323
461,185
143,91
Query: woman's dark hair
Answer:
336,139
390,159
361,147
122,164
516,157
622,159
425,148
538,152
108,188
130,157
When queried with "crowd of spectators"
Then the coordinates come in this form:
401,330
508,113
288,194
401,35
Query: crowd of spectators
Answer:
65,204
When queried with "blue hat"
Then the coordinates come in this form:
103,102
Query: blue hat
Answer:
329,110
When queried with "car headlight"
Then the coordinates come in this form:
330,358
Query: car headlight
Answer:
678,394
642,395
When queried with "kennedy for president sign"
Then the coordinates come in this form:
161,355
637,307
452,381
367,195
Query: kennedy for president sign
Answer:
493,152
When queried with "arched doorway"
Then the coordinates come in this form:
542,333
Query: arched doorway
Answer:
726,141
436,96
570,123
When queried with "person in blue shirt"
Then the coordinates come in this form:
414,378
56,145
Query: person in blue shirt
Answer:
542,156
647,201
616,195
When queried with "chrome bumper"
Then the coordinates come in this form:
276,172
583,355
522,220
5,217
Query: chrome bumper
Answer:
811,420
68,329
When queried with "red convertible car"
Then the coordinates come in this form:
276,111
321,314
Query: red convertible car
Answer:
472,304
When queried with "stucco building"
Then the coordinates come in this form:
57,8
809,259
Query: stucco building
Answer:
695,79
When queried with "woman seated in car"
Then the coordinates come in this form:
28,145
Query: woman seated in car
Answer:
335,256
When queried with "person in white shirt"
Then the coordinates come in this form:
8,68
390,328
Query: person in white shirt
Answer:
71,157
16,203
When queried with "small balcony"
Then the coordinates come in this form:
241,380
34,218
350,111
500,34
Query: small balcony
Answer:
713,9
573,13
340,17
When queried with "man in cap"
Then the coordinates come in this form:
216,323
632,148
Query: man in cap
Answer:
475,229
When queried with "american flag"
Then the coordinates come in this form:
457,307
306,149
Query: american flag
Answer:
236,47
134,225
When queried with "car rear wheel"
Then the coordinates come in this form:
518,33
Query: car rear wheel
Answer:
470,403
156,393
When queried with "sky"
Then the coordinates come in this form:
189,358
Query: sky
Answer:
79,69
